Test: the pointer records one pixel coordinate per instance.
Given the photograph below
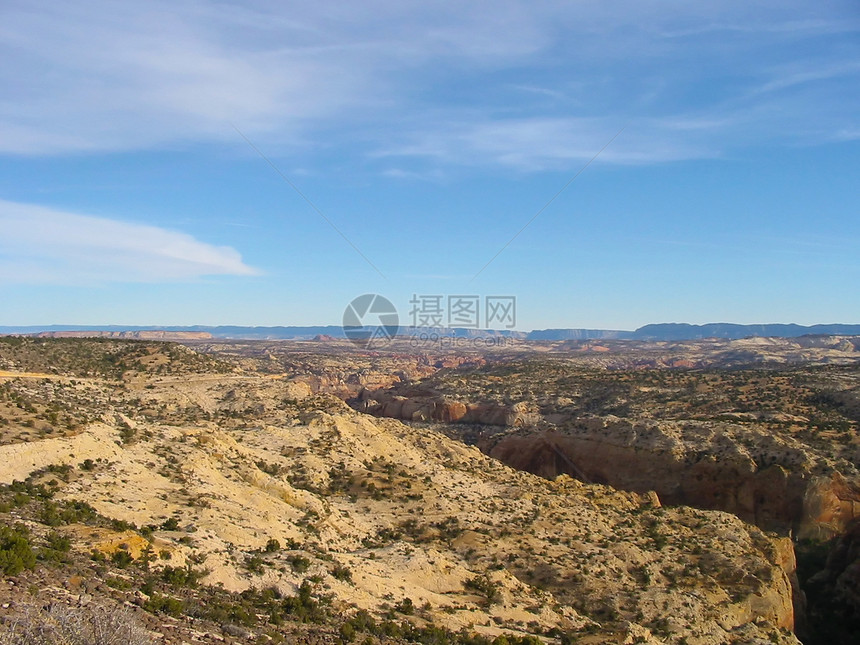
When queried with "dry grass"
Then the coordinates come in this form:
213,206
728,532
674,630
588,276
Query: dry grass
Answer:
61,625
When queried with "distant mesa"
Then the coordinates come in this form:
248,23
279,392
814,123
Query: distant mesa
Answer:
684,331
129,335
326,333
732,331
579,334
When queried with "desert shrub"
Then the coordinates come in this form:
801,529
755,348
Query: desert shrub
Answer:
159,604
16,553
56,547
67,512
254,563
304,606
170,524
275,470
60,625
127,434
342,573
255,605
122,558
363,623
405,606
449,528
181,576
483,586
299,563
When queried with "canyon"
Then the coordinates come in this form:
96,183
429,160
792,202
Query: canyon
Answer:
522,491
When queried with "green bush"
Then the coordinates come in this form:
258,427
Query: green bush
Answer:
483,586
405,607
364,623
158,604
56,548
342,573
68,512
181,577
122,559
16,553
170,524
254,563
299,563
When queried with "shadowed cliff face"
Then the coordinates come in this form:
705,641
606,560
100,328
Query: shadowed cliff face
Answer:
421,407
787,495
831,575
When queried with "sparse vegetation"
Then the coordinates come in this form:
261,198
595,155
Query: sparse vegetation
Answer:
213,467
16,552
60,625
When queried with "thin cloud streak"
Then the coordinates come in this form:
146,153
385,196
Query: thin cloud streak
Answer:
534,144
43,245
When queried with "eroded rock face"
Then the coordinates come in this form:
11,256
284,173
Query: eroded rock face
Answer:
712,472
830,505
769,481
383,403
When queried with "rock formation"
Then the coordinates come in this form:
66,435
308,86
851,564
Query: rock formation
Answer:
700,466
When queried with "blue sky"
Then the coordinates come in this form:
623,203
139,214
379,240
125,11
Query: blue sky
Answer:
429,134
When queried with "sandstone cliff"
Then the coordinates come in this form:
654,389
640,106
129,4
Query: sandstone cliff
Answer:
700,465
383,403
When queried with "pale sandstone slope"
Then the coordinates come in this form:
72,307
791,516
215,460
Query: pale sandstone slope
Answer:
438,514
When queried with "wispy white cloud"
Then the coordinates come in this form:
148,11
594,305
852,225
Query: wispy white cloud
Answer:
437,276
847,135
539,143
101,76
96,75
43,245
125,76
540,91
787,27
400,173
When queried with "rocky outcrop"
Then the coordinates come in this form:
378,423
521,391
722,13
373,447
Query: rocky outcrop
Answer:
382,403
830,505
787,560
